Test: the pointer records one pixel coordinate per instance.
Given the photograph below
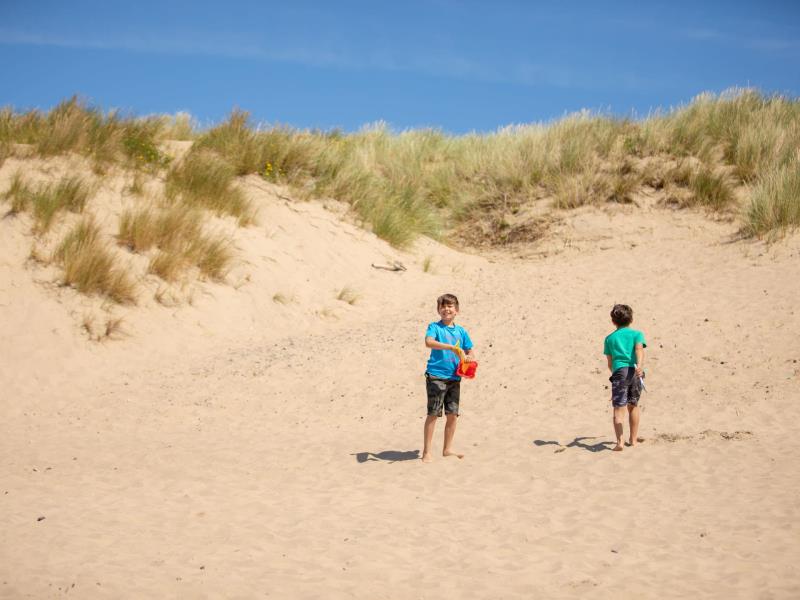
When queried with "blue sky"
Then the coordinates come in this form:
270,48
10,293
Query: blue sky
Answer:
458,66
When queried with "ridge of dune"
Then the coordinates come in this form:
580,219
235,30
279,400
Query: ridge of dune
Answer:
237,446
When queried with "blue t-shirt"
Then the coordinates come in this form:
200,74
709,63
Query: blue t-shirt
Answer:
443,363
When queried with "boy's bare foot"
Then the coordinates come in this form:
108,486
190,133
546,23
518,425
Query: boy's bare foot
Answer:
618,448
452,453
427,458
635,442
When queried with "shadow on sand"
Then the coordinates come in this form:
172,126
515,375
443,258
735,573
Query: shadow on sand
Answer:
387,455
578,442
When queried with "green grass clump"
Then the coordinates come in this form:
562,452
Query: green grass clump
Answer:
775,202
139,143
204,180
88,265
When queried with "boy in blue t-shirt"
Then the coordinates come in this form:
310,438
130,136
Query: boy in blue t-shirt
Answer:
624,350
447,342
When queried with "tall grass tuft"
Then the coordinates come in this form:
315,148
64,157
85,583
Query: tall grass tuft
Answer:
141,229
178,234
775,202
712,189
45,201
236,142
74,126
213,256
180,126
204,180
18,194
88,265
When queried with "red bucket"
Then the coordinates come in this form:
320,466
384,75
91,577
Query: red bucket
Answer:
467,369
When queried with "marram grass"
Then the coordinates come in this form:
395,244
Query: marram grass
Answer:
89,266
404,184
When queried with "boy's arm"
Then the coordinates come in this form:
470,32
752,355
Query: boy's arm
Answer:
610,361
639,349
432,343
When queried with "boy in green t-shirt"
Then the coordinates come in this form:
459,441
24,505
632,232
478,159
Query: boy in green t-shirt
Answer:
624,350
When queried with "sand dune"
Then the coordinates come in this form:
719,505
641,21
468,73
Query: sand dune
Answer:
240,447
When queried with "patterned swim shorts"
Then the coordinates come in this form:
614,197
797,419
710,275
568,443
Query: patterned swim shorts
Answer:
625,387
442,394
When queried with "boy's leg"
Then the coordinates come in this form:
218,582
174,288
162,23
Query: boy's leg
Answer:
451,408
449,433
633,418
619,398
436,390
619,417
634,393
430,425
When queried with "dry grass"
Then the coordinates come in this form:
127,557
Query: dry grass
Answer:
775,203
18,194
74,126
88,265
111,329
204,180
141,229
214,256
424,182
713,188
180,126
46,201
178,234
169,264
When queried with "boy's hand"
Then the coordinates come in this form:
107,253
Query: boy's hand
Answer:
639,371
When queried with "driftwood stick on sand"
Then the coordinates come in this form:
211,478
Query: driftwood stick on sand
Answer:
396,265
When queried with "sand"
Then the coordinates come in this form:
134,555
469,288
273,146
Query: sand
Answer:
240,446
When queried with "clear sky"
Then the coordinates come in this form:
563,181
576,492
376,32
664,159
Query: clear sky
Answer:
458,66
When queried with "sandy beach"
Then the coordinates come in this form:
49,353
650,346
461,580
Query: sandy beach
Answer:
261,438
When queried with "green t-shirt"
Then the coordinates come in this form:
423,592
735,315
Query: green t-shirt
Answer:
621,345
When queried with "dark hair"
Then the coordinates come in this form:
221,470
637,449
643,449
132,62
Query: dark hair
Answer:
446,299
621,315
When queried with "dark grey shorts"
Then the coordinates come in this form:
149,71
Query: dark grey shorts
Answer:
625,387
442,394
